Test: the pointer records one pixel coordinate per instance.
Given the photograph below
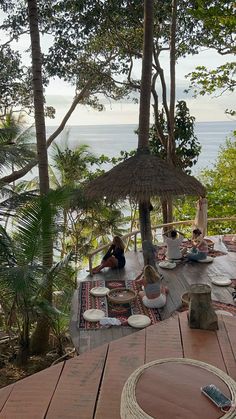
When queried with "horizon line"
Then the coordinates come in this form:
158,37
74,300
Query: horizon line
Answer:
91,125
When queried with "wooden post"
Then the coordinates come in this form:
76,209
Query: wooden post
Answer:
201,312
90,265
135,242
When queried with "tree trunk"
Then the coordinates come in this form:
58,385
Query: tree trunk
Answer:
171,122
144,110
41,335
145,221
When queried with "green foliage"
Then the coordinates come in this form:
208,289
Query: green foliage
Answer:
14,82
17,142
204,81
187,146
22,275
220,184
218,21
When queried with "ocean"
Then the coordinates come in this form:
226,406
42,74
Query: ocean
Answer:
111,139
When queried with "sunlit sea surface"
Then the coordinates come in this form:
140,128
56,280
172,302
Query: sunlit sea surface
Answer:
111,139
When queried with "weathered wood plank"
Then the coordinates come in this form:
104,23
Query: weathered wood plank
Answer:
202,345
227,347
4,394
163,340
31,396
124,356
230,328
77,389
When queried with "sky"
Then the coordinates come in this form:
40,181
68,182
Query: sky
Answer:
208,108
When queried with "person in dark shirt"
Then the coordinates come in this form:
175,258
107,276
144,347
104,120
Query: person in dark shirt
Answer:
114,258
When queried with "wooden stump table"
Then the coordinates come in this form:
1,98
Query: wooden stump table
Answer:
201,311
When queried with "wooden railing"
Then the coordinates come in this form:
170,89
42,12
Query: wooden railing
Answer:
136,232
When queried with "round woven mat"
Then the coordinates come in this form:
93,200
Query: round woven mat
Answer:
131,410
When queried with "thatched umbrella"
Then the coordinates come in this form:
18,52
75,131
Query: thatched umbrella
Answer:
144,175
141,177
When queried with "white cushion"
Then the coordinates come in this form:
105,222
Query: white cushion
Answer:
221,281
167,265
139,321
173,260
208,259
225,313
99,291
93,315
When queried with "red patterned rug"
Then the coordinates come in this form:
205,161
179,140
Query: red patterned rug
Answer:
217,305
161,251
120,312
87,301
230,245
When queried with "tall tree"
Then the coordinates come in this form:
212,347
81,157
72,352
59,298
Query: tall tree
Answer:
41,336
144,110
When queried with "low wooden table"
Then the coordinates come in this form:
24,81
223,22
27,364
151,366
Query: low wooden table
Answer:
175,383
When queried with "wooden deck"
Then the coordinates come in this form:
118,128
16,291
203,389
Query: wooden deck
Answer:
89,386
178,281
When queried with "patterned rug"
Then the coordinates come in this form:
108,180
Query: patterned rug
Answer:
230,245
233,283
161,251
217,305
120,312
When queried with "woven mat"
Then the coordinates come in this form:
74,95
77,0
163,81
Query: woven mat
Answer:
217,305
121,312
160,255
230,245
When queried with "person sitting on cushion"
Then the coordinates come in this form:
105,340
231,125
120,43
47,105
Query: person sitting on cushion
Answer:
154,294
199,249
114,258
173,244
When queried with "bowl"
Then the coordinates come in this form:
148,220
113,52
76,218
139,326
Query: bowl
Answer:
121,295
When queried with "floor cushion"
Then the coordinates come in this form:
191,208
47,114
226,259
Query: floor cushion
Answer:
167,265
221,281
208,259
93,315
139,321
224,312
99,291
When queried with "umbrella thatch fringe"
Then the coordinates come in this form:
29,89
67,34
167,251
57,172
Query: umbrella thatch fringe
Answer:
142,177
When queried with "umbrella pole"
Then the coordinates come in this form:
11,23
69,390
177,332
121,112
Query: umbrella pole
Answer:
146,233
144,114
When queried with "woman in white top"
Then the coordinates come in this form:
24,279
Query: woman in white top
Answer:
173,244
